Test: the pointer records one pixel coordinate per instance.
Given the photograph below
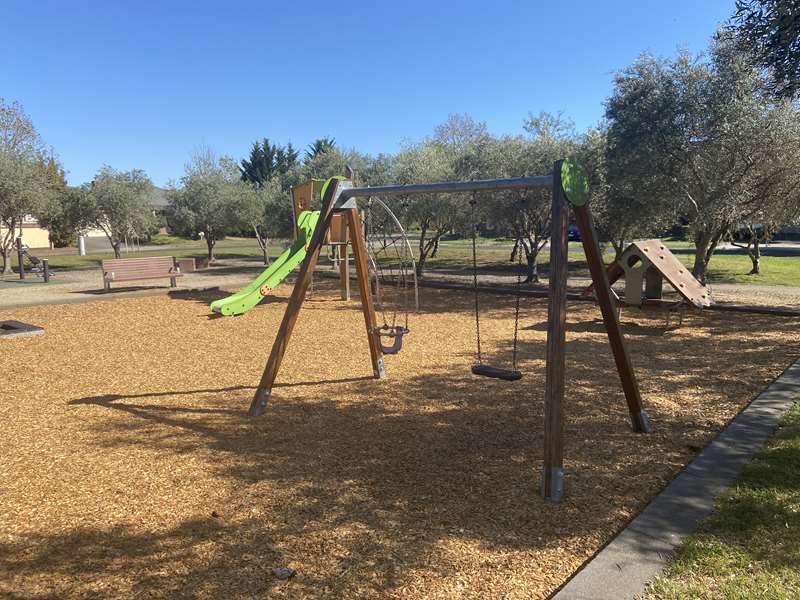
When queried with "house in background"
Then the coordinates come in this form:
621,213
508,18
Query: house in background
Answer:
33,235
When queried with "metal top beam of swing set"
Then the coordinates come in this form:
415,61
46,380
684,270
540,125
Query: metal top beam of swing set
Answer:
478,185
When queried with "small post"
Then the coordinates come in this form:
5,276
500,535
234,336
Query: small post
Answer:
20,258
343,252
81,245
46,270
553,472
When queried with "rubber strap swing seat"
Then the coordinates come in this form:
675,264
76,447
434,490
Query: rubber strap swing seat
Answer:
496,372
479,368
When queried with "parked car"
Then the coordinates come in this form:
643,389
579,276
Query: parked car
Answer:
573,234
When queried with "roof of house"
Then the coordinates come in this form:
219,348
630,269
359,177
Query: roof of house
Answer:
158,198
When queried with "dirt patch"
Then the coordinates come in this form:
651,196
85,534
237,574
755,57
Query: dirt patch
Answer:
130,467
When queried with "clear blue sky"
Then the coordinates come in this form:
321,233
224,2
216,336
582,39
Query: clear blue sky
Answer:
141,84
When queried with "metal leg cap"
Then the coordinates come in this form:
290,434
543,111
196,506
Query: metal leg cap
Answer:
556,492
643,423
259,404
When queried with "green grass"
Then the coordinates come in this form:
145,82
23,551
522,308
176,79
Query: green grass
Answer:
750,547
724,268
456,255
173,240
775,270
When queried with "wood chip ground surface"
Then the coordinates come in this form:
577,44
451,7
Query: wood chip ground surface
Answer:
130,469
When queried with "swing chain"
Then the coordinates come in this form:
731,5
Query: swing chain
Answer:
520,248
472,204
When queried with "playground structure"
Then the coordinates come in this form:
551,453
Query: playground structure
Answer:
569,187
304,223
390,259
645,265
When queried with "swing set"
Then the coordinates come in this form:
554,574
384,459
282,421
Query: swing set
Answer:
569,189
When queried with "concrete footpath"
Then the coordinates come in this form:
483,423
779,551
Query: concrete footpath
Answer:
638,554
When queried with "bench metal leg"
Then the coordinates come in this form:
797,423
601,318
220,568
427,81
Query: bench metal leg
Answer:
173,282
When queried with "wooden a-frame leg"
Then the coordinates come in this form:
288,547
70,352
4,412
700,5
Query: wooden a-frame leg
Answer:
259,403
362,275
602,289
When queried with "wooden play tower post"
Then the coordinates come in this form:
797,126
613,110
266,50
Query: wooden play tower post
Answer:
337,235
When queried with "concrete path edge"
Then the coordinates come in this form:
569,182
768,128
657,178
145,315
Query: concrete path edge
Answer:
623,569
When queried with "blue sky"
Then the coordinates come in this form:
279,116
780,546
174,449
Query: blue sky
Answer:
141,84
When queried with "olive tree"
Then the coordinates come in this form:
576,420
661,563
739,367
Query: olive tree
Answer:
525,214
266,210
770,30
459,149
115,202
703,135
206,202
25,186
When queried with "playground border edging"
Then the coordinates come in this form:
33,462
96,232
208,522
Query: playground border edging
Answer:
626,565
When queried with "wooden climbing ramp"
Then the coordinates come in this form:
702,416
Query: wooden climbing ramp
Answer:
650,262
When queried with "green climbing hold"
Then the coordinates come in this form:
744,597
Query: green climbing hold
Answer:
574,182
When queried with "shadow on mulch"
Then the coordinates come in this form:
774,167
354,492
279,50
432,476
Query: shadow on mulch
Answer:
119,290
376,485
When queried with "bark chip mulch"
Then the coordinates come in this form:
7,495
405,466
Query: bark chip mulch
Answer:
130,469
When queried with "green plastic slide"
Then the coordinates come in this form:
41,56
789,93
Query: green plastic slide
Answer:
246,298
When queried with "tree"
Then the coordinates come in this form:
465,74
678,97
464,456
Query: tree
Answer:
702,136
457,150
267,161
207,200
623,208
770,30
320,146
525,214
53,215
266,210
24,185
115,202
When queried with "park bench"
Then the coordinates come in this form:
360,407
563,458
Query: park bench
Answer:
136,269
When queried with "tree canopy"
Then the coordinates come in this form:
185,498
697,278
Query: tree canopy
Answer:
770,30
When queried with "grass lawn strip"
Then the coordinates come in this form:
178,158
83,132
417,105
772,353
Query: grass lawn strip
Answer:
750,547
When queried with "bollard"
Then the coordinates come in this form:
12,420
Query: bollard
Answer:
46,270
81,245
20,258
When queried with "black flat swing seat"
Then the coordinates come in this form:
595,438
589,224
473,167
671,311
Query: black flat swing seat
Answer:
496,372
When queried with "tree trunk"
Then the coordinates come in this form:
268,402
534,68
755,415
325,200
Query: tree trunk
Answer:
210,244
435,248
755,256
700,257
532,273
619,248
263,243
116,245
6,261
423,254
